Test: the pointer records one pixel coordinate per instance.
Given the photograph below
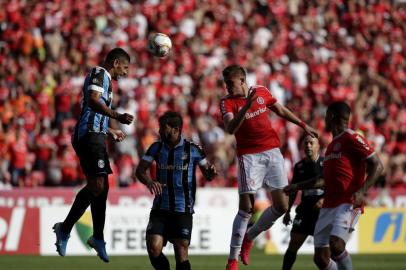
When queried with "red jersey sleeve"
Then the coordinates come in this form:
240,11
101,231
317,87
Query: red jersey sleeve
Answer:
359,147
226,107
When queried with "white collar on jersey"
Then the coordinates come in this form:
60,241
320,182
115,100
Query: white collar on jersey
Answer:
339,135
108,74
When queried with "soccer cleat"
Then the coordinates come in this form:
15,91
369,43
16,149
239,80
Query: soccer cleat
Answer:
100,247
61,239
232,265
246,249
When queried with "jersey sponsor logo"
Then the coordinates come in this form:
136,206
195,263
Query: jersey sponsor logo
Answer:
333,156
255,113
173,167
100,163
260,100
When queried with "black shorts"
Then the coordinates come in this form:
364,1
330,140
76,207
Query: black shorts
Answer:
305,221
92,152
170,225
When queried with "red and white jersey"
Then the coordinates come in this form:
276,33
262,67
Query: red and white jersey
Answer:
344,167
255,134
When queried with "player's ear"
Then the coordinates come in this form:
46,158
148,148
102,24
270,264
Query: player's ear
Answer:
116,62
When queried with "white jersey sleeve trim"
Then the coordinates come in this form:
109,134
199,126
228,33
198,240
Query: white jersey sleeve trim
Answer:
148,158
95,88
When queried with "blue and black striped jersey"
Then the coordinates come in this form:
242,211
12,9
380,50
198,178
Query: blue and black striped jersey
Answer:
176,170
98,80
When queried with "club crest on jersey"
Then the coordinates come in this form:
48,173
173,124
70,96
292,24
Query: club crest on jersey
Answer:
100,163
337,147
260,100
95,80
184,156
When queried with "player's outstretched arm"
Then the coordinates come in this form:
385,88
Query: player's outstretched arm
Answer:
233,123
285,113
374,170
95,104
142,175
316,182
209,171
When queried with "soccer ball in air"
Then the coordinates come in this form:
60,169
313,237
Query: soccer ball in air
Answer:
159,44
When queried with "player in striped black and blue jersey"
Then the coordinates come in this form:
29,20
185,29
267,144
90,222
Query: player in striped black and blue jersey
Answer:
88,140
174,189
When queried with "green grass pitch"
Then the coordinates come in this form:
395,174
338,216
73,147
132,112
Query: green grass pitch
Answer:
259,261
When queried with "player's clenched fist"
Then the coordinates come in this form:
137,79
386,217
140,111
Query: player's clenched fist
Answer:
154,187
211,172
125,118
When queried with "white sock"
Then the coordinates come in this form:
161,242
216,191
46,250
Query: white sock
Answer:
331,265
344,261
239,228
265,221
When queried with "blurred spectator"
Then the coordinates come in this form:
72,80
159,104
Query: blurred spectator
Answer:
308,53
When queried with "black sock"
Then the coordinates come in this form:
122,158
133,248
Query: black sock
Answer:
98,207
160,262
82,201
183,265
288,260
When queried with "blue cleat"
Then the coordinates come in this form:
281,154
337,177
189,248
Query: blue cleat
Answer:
61,239
100,247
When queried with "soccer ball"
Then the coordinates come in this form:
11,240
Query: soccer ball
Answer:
159,44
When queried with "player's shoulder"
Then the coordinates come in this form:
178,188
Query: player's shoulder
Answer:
260,89
226,98
195,145
353,135
154,147
196,148
300,164
99,72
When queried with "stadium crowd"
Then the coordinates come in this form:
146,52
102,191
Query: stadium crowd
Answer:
308,53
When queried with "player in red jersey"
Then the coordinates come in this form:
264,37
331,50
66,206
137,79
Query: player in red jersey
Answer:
348,157
245,113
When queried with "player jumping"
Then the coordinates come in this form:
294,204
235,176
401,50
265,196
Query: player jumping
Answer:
245,113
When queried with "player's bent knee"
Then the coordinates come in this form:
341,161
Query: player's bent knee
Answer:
96,185
154,249
181,250
337,245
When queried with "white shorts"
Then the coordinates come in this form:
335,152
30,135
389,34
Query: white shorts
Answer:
339,221
265,169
